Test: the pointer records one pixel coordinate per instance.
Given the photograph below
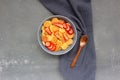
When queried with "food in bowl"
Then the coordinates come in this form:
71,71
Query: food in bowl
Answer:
57,34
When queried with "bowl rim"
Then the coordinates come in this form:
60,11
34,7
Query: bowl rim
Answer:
59,52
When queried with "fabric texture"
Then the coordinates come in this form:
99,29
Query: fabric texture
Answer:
80,12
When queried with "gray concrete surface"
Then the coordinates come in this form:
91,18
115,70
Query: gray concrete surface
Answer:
106,20
21,58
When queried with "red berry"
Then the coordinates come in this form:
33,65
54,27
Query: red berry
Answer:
58,24
47,43
48,30
70,31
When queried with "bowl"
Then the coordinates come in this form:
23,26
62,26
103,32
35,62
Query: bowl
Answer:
61,52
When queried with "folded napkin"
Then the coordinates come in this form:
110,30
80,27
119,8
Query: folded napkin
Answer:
79,11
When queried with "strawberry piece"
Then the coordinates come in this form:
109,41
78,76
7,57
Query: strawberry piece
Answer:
64,26
50,47
53,48
58,24
47,43
70,31
48,30
65,37
67,27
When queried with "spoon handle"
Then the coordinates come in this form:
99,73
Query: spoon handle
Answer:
72,65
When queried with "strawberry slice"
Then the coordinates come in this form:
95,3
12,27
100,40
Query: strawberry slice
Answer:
65,37
64,26
52,46
70,31
67,27
58,24
48,30
47,43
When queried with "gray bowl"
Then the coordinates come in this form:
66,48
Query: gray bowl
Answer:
62,51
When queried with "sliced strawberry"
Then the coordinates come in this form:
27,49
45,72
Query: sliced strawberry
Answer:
64,26
47,43
65,37
48,30
50,47
58,24
53,48
70,31
67,27
68,24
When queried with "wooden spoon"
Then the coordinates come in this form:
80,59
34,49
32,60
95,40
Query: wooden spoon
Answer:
83,42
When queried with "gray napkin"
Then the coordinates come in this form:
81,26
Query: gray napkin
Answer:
79,11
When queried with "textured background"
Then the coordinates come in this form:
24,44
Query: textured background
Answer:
21,58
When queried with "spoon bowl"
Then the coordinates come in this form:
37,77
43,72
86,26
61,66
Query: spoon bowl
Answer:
83,40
